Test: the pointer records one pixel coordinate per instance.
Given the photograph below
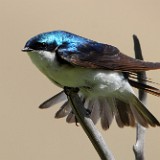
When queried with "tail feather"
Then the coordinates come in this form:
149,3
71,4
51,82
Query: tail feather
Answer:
63,111
118,116
106,114
138,116
54,100
144,116
71,118
95,112
125,113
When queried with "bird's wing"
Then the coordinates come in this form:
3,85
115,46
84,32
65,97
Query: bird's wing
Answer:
97,55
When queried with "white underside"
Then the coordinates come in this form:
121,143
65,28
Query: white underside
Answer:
94,82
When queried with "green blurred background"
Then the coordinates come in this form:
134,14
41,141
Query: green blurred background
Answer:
28,133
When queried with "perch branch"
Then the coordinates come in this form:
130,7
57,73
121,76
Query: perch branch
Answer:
87,125
138,148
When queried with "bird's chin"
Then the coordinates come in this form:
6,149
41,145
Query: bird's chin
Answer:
41,58
32,53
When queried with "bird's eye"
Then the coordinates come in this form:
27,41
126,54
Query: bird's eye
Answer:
43,44
40,46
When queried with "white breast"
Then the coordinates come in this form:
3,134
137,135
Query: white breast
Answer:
100,81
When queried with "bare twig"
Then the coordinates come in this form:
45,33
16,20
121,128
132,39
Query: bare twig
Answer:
88,126
138,148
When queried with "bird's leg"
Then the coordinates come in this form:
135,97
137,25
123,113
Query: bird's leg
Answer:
67,91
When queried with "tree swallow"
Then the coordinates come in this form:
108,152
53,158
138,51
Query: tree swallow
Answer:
103,75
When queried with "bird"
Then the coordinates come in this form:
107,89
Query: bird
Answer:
104,76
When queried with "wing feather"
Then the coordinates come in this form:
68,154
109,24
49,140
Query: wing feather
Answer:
103,56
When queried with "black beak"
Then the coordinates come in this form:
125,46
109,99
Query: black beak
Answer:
27,49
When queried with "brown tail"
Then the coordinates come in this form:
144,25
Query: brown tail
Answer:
135,111
126,114
142,114
105,109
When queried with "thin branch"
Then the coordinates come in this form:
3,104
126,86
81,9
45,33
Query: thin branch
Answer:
138,148
87,125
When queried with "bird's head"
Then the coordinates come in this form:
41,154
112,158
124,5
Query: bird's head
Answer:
49,41
46,44
43,42
43,46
